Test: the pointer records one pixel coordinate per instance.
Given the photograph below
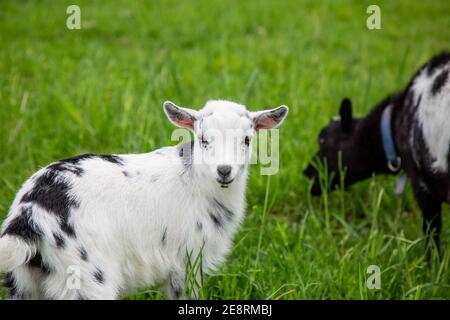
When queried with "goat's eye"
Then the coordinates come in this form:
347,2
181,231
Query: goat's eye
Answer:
203,141
247,141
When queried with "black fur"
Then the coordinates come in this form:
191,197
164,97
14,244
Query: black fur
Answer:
51,192
99,277
440,81
66,166
361,149
59,240
216,220
23,226
218,213
363,154
436,62
73,164
199,226
9,283
346,115
83,253
222,210
111,158
106,157
38,263
164,236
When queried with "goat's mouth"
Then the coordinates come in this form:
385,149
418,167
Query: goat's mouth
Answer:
225,183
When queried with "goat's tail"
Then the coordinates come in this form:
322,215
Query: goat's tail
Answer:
14,252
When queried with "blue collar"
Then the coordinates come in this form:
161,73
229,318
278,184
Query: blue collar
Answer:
394,162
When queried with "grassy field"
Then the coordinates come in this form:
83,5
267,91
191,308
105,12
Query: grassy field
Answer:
100,89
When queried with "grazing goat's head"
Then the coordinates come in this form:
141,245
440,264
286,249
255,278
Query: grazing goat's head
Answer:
339,150
223,134
350,149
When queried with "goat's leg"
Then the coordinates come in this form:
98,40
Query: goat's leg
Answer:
174,286
431,207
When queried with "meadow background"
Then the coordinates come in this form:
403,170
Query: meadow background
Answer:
100,89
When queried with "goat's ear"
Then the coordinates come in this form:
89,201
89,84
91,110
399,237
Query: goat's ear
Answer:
346,115
181,117
269,119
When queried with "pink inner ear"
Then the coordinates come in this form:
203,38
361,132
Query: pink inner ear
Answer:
186,123
265,122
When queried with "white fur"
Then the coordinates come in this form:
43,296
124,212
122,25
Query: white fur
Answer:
136,221
433,114
14,252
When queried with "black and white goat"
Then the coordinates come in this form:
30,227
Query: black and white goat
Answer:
409,130
97,226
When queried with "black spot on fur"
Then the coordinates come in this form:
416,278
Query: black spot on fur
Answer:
59,240
23,226
111,158
419,100
106,157
164,236
51,192
98,275
218,213
36,262
79,158
438,61
440,81
223,210
216,219
72,164
9,282
125,173
83,253
67,228
199,226
185,151
65,166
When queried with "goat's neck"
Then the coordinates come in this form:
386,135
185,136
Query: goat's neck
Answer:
370,138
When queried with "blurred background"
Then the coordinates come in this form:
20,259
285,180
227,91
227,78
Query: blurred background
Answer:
100,89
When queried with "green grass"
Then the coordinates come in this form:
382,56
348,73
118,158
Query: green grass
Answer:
100,89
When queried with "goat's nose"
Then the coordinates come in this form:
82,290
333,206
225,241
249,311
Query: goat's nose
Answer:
224,171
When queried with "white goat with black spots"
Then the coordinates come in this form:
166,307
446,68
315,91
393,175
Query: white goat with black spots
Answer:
98,226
